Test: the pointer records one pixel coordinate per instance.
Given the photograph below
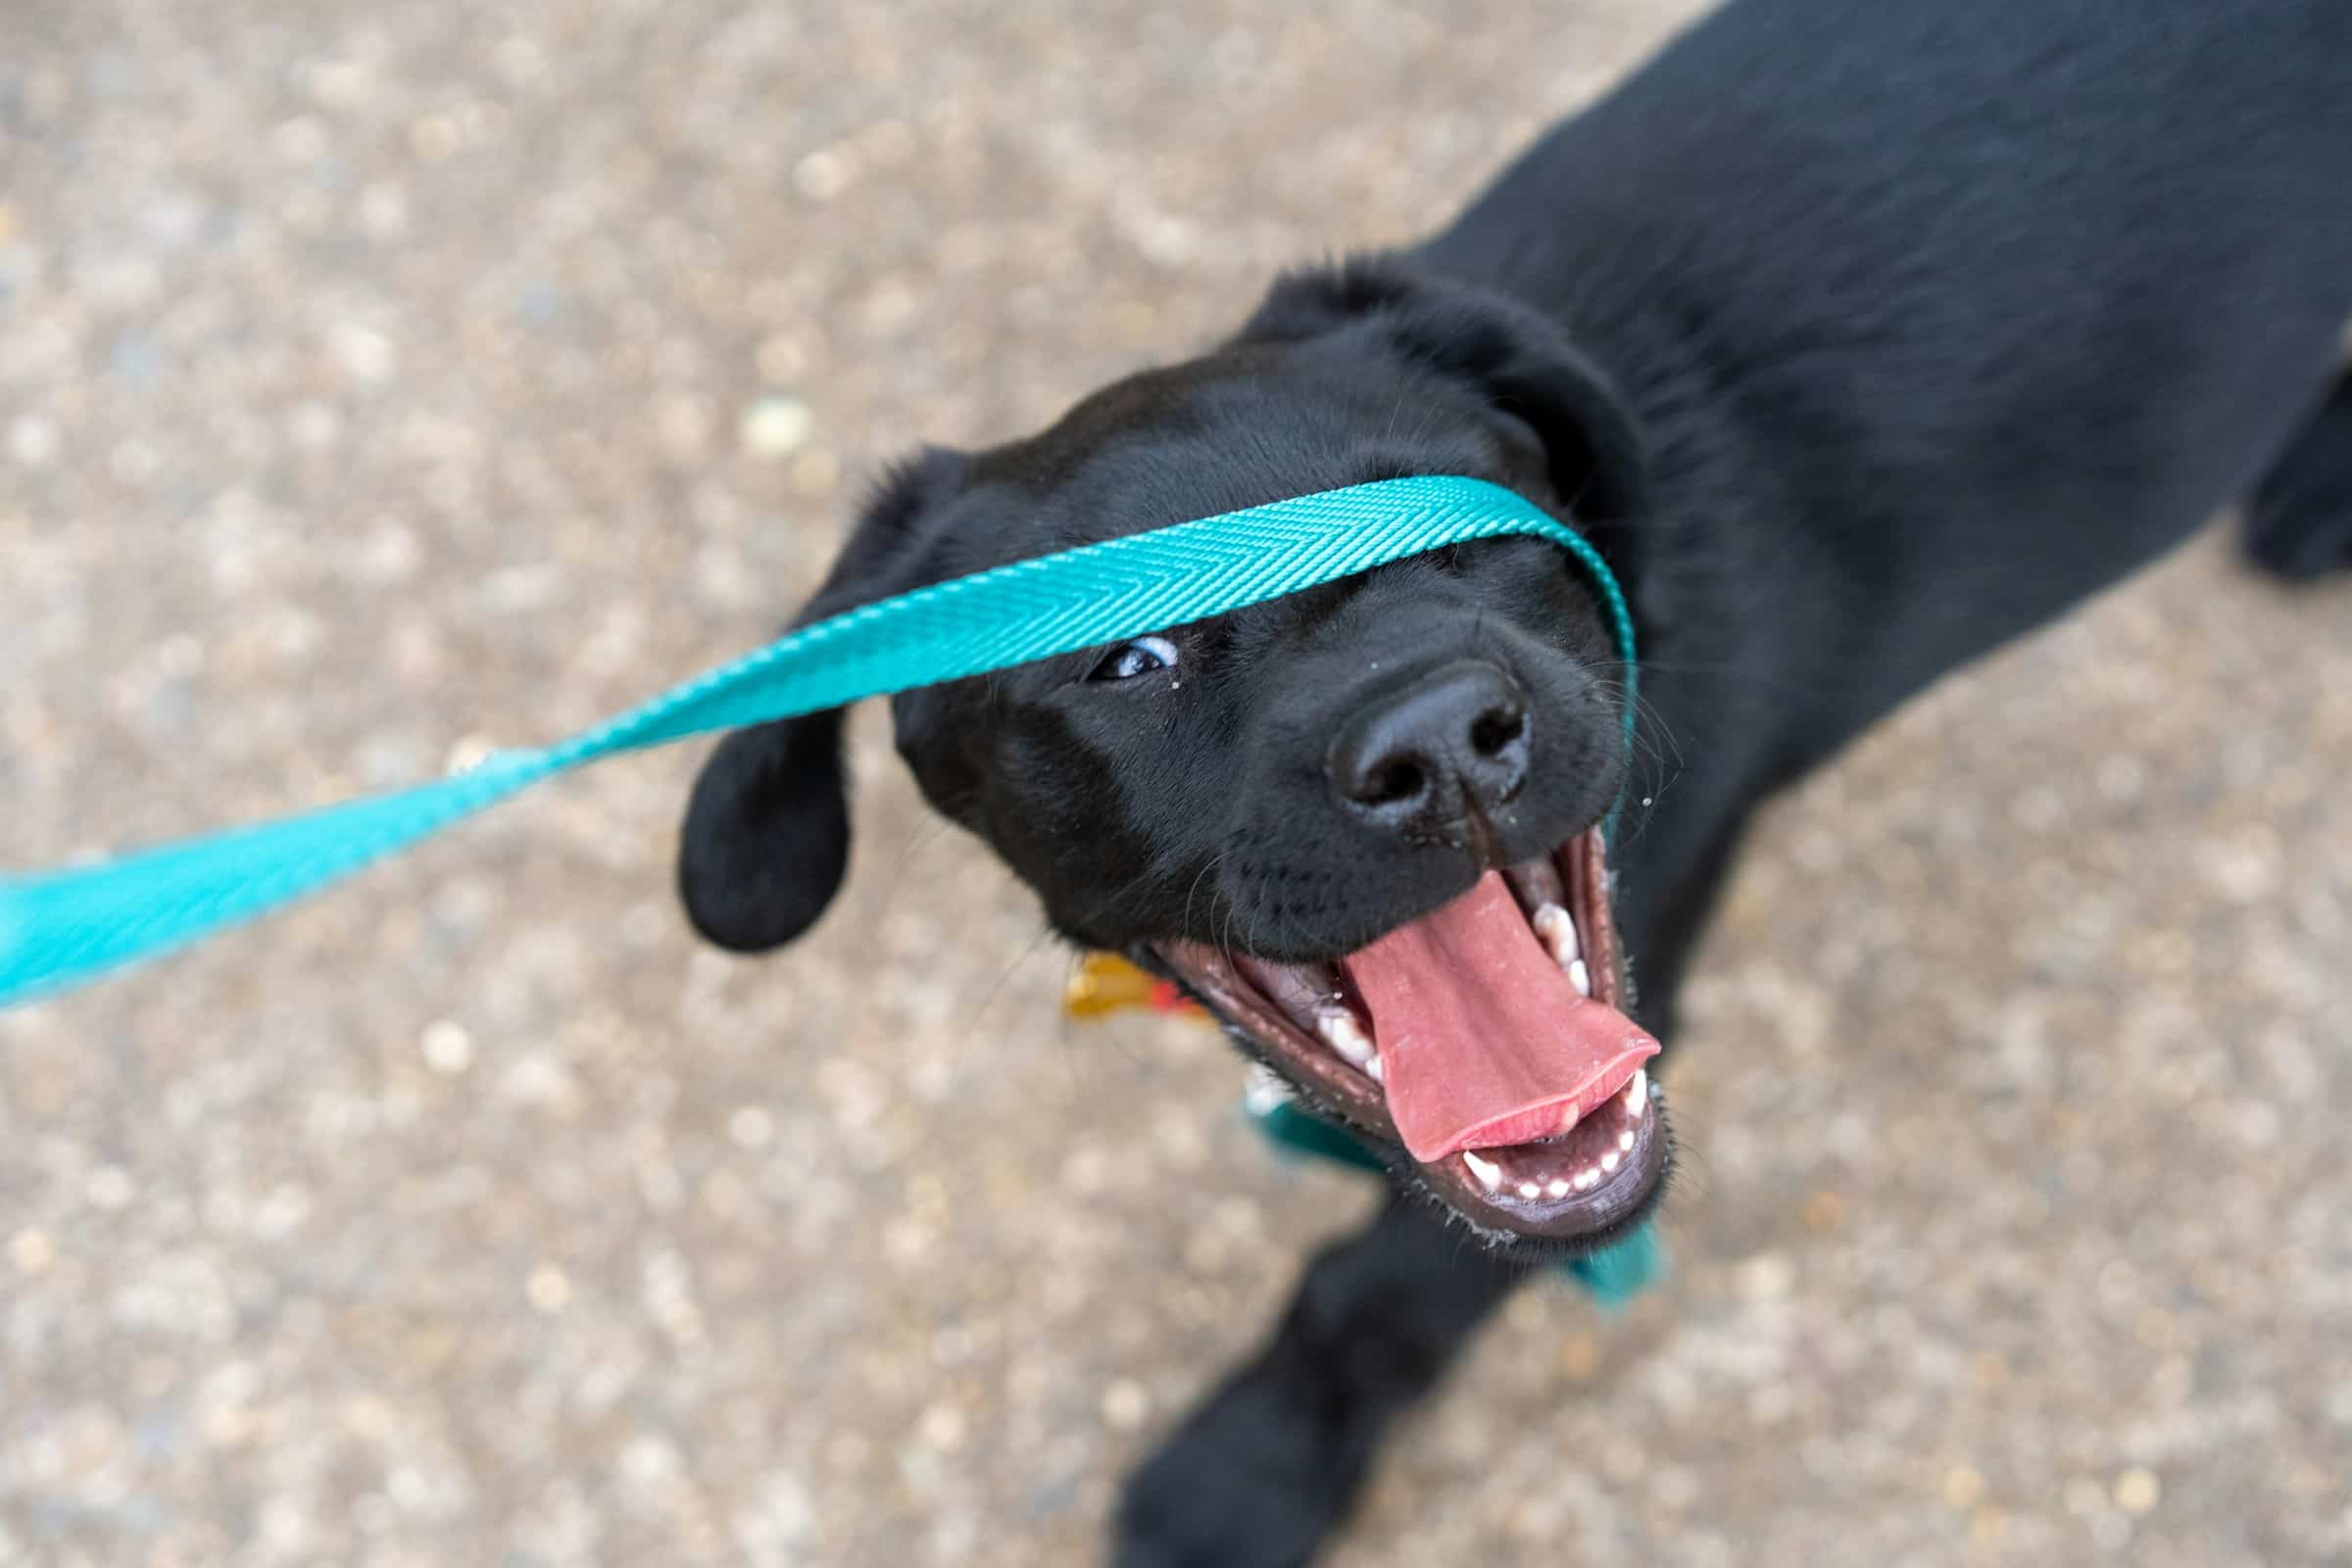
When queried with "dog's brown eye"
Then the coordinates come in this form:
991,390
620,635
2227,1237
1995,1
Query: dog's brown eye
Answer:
1138,658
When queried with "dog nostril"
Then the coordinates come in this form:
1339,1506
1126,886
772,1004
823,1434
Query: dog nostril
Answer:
1495,729
1398,781
1420,758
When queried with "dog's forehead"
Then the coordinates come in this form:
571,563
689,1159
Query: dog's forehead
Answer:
1236,428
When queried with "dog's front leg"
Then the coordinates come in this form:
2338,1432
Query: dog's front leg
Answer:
1259,1474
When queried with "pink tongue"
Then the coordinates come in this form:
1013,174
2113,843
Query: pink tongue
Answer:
1483,1041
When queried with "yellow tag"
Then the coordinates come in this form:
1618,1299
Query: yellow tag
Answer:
1105,983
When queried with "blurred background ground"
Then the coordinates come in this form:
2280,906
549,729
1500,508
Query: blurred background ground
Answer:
377,383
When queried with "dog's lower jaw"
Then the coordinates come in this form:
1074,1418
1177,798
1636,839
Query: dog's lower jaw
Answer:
1506,1244
1536,1250
1547,1142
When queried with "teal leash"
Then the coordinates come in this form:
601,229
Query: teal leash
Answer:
64,928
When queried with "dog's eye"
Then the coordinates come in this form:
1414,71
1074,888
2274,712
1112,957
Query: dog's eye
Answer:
1138,658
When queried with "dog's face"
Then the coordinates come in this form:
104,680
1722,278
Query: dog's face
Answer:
1358,822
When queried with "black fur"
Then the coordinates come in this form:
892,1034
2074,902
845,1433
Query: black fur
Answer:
1862,336
2300,523
767,831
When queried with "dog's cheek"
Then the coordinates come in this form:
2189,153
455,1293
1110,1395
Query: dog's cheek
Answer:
1289,873
1580,757
940,736
1053,808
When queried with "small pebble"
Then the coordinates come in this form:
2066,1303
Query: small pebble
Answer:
825,173
32,1251
447,1047
33,441
1125,1404
1767,1276
108,1187
751,1127
943,1427
468,753
547,1289
775,427
781,358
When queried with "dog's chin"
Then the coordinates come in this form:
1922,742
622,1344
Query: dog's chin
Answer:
1484,1050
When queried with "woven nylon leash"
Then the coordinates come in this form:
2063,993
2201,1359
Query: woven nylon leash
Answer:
64,927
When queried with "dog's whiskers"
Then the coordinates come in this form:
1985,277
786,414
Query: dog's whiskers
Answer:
1211,866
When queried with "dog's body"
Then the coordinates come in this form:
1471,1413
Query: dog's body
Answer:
1863,335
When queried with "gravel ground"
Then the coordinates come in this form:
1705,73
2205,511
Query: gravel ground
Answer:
377,383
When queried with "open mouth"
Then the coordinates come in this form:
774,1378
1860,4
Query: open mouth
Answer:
1487,1039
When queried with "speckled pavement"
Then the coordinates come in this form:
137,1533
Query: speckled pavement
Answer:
380,384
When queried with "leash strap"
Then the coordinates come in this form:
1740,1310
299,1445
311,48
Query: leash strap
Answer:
60,928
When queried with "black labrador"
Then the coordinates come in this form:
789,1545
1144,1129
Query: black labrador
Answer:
1860,336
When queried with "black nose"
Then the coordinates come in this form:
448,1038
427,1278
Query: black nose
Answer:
1422,760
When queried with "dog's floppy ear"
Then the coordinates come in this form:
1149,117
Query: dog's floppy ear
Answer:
767,830
1315,300
1521,359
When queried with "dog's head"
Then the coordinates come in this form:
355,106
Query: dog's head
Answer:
1359,822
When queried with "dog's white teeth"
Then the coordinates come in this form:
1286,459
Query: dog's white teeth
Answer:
1489,1174
1568,1118
1625,1141
1587,1180
1336,1022
1556,928
1637,1095
1373,1069
1610,1162
1531,1189
1559,1187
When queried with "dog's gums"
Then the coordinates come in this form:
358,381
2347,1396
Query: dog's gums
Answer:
1517,1093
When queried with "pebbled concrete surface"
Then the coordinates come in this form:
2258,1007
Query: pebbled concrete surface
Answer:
380,384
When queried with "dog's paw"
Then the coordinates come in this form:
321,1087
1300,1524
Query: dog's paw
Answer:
1254,1479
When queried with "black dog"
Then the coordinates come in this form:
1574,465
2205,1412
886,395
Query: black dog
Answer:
1861,336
